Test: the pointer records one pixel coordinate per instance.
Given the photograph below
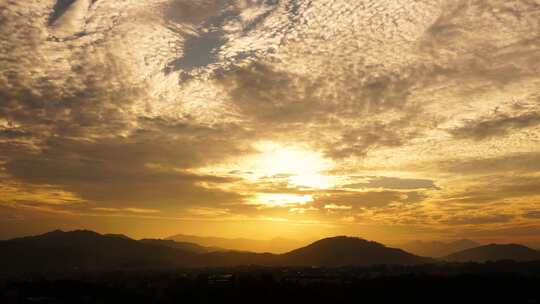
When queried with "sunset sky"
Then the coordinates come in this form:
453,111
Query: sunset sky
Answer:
392,120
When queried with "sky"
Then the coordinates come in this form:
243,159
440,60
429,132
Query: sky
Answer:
386,119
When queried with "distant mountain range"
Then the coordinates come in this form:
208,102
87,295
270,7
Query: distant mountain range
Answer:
82,250
495,252
438,249
276,245
185,246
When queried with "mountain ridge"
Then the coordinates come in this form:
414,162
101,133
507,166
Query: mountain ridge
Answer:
275,245
346,251
187,246
84,250
495,252
438,249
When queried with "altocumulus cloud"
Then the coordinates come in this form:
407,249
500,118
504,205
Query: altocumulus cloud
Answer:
133,106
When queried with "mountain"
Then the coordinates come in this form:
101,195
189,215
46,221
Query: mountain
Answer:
438,249
277,245
122,236
83,250
348,251
190,247
495,252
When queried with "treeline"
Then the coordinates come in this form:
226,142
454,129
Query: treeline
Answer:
506,282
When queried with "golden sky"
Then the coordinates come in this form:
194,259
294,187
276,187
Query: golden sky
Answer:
387,119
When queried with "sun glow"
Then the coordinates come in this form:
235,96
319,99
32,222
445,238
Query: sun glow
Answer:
281,199
282,172
302,167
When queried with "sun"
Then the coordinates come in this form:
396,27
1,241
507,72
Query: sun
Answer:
302,167
280,175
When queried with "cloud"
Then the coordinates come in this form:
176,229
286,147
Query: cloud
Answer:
497,189
68,17
303,210
127,106
528,162
147,168
478,220
15,194
266,95
186,11
129,210
369,199
512,232
532,214
360,140
209,212
337,207
475,49
274,100
498,125
392,183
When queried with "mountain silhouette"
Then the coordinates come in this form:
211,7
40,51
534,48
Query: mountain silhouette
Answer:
123,236
276,245
438,249
349,251
495,252
82,250
185,246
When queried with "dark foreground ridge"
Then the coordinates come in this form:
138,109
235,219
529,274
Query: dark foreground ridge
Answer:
500,282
